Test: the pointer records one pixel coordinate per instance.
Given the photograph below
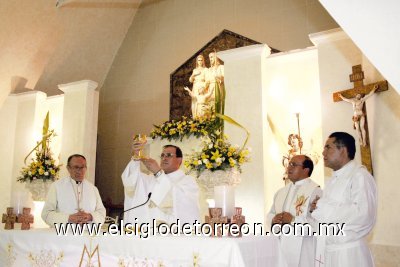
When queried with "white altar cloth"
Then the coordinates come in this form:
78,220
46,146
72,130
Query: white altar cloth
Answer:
42,247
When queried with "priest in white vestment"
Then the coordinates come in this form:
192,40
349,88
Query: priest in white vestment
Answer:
350,198
291,205
73,199
174,194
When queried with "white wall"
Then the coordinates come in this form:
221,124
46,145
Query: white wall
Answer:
292,85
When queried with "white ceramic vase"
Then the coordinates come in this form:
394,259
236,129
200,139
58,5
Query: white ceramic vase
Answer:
208,180
38,189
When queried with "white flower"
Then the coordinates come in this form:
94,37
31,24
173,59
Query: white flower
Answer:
199,162
47,162
218,160
46,173
30,173
205,161
210,145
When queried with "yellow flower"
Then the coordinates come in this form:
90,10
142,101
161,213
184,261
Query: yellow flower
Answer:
187,164
41,171
215,155
209,165
204,156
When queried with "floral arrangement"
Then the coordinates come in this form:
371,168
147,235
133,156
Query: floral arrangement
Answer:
177,130
217,154
43,166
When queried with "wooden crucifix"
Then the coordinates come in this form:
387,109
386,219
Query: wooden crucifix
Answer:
357,96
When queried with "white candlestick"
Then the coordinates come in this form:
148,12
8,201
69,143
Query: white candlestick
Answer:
224,196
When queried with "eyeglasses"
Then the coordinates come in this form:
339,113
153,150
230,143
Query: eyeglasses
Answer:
167,155
77,168
293,164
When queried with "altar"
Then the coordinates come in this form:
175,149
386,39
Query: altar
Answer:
42,247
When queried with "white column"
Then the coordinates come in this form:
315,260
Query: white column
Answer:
81,103
8,117
22,115
292,86
245,103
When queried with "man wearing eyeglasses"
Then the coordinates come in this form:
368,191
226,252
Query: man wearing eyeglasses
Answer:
174,194
292,205
73,199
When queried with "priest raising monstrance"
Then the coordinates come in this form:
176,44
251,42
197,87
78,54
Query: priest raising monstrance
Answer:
175,195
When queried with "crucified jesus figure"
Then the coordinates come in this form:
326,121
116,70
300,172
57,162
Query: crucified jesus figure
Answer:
358,115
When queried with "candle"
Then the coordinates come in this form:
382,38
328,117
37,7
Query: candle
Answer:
19,200
224,196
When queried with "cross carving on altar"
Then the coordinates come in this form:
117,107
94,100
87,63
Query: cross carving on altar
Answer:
357,96
319,261
238,219
9,219
26,218
216,218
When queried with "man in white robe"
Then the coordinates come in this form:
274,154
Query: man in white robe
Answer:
350,198
291,205
73,199
174,194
